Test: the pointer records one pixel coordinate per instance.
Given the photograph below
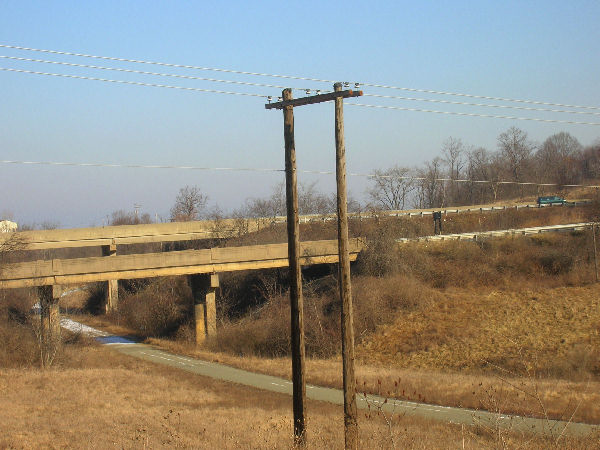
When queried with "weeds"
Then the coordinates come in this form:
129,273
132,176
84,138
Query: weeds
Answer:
522,387
158,309
376,407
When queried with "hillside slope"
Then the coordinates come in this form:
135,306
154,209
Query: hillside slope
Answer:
554,332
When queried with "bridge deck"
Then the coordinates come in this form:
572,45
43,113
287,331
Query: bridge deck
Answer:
206,229
214,260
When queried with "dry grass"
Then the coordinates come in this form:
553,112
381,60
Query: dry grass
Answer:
105,400
463,324
19,346
513,263
397,227
442,322
555,331
427,384
559,397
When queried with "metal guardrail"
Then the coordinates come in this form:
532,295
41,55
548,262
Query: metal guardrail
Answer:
473,236
428,212
182,231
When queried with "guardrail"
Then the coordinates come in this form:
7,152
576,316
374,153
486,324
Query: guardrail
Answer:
496,233
430,211
208,229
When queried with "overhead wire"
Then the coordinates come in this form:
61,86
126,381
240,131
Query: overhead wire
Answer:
246,83
457,113
136,83
142,72
140,166
273,170
483,97
292,77
164,64
484,105
269,97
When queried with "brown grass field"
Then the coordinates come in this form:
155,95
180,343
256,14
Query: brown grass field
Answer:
506,325
545,341
97,398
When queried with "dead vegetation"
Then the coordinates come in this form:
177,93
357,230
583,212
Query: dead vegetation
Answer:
102,399
509,325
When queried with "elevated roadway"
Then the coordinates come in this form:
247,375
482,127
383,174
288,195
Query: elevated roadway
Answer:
146,265
210,229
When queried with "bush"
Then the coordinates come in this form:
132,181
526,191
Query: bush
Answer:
159,309
19,344
380,257
556,263
266,331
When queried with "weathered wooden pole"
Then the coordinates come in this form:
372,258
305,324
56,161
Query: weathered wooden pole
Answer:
595,253
287,104
350,411
296,302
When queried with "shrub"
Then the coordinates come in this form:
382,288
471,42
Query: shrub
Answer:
266,330
556,263
19,345
159,309
380,257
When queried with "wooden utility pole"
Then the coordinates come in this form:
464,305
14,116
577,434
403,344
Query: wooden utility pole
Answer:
595,254
297,318
345,287
296,301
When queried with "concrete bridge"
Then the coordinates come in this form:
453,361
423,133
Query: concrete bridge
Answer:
203,266
51,276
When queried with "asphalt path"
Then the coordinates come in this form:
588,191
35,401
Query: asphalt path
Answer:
388,406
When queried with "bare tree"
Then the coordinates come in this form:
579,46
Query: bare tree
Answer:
271,206
431,189
559,158
590,161
189,204
122,217
311,201
477,162
391,187
494,170
452,151
516,150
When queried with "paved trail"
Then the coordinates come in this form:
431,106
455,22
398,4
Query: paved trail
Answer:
335,396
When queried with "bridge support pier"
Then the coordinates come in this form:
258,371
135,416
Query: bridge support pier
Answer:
204,287
111,299
49,331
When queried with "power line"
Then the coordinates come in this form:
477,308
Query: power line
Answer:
141,166
455,113
181,66
116,69
215,91
483,97
272,170
485,105
136,83
292,77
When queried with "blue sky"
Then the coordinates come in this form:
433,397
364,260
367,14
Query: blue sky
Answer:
541,50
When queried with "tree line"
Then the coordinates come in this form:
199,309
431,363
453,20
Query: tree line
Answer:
461,175
465,175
